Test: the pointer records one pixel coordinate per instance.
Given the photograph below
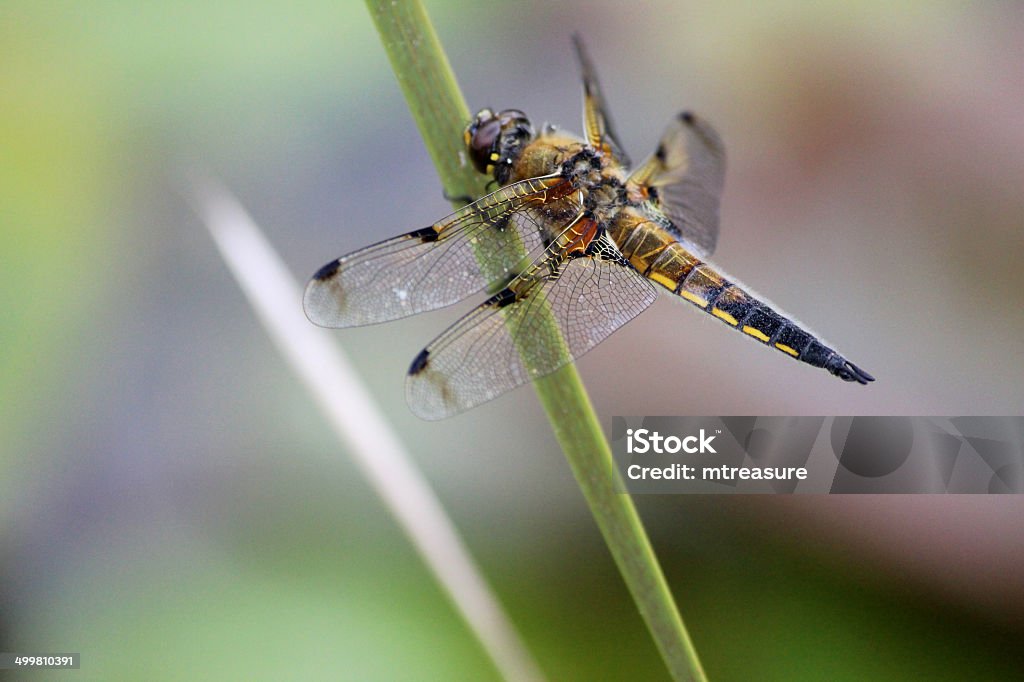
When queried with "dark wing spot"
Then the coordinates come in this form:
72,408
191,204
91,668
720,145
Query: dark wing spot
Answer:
502,298
659,153
500,224
419,363
687,117
327,271
427,234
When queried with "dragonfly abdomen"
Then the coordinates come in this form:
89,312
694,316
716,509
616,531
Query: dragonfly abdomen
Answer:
728,301
662,259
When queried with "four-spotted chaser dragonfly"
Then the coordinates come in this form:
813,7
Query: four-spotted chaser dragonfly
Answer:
599,240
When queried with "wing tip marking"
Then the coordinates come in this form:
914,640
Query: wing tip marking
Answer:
327,271
419,363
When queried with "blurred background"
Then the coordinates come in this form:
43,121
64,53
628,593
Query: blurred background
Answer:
171,504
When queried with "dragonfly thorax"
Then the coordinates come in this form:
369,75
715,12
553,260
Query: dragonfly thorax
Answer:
602,184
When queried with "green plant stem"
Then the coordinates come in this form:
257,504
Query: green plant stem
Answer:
441,114
579,433
430,89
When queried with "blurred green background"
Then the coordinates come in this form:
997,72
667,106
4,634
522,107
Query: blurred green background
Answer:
173,507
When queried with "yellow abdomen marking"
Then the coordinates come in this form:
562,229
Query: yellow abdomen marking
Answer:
756,333
664,281
722,315
694,298
787,349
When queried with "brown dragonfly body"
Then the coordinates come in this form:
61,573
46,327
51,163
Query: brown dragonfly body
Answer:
572,236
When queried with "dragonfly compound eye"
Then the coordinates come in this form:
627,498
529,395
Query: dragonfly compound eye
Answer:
495,140
482,139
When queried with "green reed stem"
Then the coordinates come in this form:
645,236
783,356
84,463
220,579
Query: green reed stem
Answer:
441,114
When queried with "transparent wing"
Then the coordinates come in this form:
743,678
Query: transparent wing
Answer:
596,121
481,356
688,172
435,266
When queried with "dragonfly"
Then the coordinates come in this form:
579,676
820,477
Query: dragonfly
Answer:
573,244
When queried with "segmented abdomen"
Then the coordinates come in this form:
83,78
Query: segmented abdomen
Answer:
663,260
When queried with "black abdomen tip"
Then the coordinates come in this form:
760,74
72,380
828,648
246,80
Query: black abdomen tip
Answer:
327,271
847,371
419,363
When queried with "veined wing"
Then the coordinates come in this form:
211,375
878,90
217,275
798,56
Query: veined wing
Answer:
481,356
435,266
687,172
597,123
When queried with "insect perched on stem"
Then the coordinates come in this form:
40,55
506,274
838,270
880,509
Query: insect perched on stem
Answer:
572,232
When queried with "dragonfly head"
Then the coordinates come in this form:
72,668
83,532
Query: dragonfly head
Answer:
495,140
